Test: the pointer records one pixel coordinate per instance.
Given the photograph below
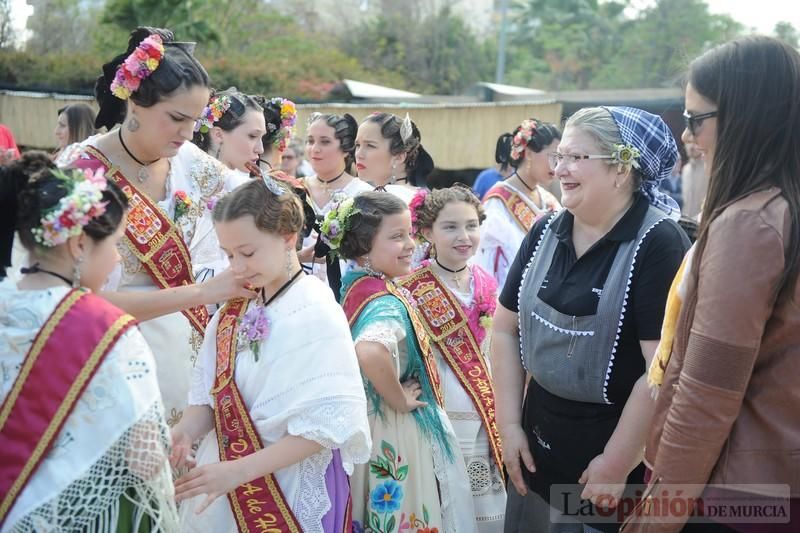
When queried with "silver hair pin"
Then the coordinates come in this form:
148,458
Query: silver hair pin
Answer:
272,185
406,129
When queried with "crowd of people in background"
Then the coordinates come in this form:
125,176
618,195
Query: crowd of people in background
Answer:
209,325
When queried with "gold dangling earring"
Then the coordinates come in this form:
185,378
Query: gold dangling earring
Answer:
393,178
76,273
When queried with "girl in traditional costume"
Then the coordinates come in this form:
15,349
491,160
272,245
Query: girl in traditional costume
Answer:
156,90
280,406
456,302
415,477
514,204
231,129
280,116
84,440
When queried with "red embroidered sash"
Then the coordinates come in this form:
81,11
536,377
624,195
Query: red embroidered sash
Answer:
368,288
448,326
519,208
153,238
258,505
63,358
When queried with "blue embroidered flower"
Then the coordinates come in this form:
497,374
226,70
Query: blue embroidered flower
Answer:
387,496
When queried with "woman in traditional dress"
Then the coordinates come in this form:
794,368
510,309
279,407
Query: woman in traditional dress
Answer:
390,156
512,205
157,90
330,145
294,393
456,303
231,129
280,116
83,448
415,477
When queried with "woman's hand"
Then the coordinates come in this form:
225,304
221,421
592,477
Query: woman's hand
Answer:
412,390
604,481
213,480
181,455
306,255
223,287
515,454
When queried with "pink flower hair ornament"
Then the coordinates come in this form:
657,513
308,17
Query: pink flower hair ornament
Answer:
414,206
288,120
139,65
82,203
520,141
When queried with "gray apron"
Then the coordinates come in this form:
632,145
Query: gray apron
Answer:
572,356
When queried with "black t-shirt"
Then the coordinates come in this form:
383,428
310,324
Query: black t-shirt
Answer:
573,286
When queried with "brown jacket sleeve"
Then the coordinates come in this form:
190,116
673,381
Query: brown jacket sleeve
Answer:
739,272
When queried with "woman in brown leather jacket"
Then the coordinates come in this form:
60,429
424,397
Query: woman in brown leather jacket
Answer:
728,405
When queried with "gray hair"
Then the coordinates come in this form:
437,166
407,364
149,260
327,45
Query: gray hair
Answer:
600,125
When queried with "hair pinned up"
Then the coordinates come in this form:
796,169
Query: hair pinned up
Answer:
531,133
404,137
345,128
177,69
231,106
30,188
369,209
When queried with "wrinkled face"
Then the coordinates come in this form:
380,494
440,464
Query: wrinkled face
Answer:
587,185
705,132
373,159
323,150
243,143
456,234
290,160
62,131
393,245
100,258
256,256
165,126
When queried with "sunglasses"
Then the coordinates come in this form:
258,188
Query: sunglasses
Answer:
692,122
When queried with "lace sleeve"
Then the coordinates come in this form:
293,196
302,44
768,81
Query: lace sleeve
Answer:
389,333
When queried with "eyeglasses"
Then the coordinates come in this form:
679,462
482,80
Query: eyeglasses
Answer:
692,122
555,159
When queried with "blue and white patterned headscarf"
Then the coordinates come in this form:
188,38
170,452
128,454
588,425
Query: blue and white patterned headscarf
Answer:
649,134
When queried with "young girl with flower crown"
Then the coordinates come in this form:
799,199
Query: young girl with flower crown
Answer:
456,303
415,479
282,415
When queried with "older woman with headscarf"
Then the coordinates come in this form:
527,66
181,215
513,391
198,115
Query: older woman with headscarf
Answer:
581,312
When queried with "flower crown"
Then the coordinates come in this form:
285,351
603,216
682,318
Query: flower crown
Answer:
138,66
288,120
626,154
83,202
521,139
212,113
337,221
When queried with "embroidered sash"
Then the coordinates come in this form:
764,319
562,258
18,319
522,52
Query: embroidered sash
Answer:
368,288
53,376
519,208
447,324
153,238
260,504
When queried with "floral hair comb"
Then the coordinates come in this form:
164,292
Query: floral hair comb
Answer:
212,113
521,139
138,66
288,120
337,221
83,202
